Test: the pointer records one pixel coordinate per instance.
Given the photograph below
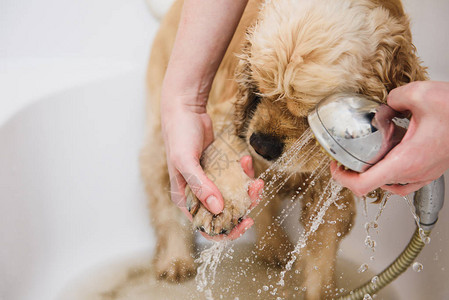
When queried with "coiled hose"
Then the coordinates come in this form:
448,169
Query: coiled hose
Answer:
402,262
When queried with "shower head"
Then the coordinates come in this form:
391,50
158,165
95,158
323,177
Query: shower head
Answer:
355,130
358,132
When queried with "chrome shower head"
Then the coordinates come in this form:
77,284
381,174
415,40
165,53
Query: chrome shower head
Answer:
355,130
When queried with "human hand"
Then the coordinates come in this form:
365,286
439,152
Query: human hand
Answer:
187,132
423,154
254,191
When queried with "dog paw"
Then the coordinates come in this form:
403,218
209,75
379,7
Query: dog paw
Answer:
176,269
232,214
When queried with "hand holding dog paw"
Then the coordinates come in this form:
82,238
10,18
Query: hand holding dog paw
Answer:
232,222
423,154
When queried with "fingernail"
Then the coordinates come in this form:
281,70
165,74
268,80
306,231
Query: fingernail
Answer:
213,204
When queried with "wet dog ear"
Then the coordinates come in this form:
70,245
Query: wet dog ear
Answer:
395,62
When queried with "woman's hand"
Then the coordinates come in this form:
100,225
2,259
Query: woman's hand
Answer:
205,31
187,131
423,154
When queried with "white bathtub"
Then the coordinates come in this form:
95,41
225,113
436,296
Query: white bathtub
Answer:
71,198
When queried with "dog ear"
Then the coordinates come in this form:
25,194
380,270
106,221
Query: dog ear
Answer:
247,96
395,62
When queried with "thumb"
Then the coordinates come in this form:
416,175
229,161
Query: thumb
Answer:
363,183
203,188
405,98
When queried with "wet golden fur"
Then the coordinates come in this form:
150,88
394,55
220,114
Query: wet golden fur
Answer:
285,57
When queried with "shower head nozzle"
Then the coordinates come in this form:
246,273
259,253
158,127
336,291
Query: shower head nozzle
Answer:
355,130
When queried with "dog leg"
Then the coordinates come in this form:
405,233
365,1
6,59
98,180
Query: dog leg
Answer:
173,259
317,259
273,245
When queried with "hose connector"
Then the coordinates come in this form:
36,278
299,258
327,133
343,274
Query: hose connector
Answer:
428,202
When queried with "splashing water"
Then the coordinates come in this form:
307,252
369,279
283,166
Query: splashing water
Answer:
369,242
417,267
334,189
362,268
424,238
210,258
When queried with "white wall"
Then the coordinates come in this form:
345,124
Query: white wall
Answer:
50,45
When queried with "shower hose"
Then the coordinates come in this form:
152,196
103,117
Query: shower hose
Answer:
402,262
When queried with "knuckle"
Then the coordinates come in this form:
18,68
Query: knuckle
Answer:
417,91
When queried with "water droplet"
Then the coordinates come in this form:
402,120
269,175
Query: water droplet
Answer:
265,288
259,291
417,267
367,297
338,233
363,268
374,280
424,238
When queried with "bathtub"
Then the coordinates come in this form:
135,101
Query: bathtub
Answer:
71,199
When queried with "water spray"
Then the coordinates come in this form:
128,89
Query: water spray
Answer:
358,132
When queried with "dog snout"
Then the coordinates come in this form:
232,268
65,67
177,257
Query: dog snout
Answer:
267,146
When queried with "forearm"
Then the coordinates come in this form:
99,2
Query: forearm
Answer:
205,31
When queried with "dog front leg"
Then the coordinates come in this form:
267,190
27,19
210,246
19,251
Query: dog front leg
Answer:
317,259
273,245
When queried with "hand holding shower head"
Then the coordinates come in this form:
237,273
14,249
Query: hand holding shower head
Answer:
359,132
354,130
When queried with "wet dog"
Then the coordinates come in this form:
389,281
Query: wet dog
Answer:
285,57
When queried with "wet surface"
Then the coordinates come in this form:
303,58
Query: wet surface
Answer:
237,277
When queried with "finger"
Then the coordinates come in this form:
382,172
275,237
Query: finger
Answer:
410,97
208,130
203,188
400,99
254,191
363,183
247,165
345,177
404,190
235,233
177,188
187,213
177,193
240,229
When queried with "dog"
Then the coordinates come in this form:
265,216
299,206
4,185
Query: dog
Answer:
285,56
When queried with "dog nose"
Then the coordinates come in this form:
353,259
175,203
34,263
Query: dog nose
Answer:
267,146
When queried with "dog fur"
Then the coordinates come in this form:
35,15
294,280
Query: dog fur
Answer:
285,56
